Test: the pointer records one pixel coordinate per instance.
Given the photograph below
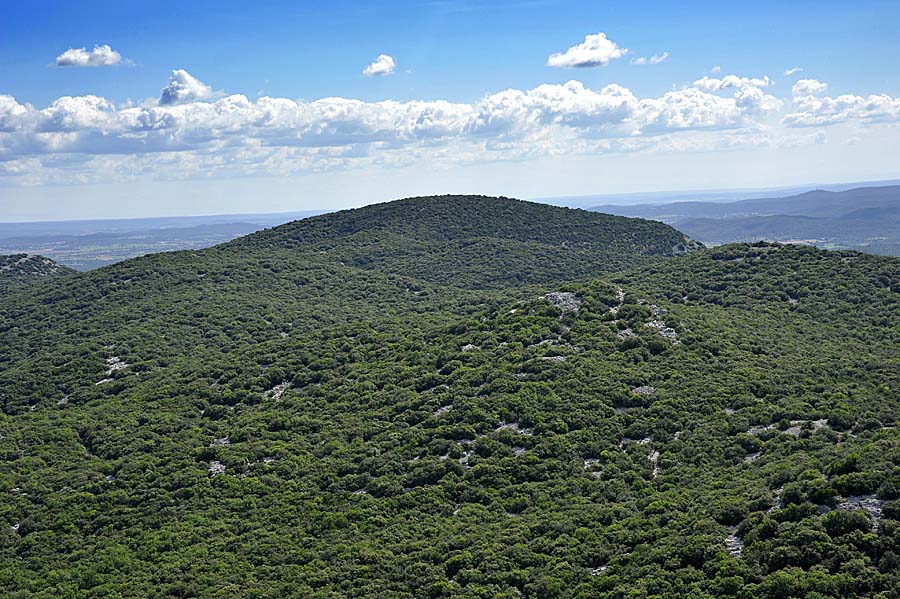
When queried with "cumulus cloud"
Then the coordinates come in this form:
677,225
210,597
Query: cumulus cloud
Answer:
815,111
713,84
383,65
192,131
655,59
183,87
188,126
716,70
809,87
595,51
100,56
793,71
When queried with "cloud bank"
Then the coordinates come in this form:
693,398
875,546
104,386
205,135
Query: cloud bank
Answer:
183,119
816,111
190,131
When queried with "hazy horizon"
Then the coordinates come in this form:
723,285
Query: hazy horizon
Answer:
588,200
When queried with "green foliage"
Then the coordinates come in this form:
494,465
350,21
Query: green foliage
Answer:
478,241
23,270
277,418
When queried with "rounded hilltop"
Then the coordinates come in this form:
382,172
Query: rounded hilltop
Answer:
448,217
22,270
478,241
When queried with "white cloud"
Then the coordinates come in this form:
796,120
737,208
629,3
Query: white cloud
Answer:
655,59
716,70
77,114
596,50
809,87
383,65
193,132
189,133
13,115
712,84
793,71
815,111
183,87
100,56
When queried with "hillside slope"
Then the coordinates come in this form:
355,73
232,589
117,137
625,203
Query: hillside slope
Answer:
23,270
409,261
478,241
261,419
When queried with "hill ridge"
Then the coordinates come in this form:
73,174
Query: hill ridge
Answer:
477,241
24,270
446,210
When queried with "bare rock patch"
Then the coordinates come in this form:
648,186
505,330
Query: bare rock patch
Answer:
564,300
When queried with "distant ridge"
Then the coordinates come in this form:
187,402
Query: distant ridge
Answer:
644,198
865,218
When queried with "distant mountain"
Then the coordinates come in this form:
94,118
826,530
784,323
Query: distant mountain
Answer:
702,195
24,270
865,218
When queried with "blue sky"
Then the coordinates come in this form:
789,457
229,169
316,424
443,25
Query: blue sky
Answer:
563,141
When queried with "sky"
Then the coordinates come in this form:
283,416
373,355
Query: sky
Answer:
112,109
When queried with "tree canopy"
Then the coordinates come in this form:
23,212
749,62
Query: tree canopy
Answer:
348,407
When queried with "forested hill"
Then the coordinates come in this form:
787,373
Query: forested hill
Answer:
278,417
379,265
23,270
843,288
478,241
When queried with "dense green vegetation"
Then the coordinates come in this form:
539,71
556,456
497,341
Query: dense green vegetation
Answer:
279,417
23,270
477,241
